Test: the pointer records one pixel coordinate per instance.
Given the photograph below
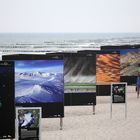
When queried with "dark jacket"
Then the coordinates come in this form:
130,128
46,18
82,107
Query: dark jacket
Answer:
138,81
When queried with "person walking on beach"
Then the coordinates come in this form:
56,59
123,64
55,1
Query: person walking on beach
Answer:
138,85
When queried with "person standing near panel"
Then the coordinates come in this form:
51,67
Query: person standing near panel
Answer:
138,85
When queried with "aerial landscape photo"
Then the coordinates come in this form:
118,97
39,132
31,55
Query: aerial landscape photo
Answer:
107,68
129,62
79,74
28,118
39,81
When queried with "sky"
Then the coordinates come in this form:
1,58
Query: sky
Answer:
39,66
51,16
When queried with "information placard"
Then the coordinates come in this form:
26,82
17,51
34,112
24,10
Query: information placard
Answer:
118,95
118,92
28,123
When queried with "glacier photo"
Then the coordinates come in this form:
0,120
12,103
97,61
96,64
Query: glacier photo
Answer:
33,86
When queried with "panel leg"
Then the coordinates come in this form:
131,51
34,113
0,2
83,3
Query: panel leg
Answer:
93,109
138,90
111,111
61,123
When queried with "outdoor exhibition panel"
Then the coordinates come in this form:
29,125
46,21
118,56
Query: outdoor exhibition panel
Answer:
7,100
107,70
129,59
79,79
39,82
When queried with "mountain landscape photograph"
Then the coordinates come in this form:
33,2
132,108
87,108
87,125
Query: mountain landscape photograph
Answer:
39,81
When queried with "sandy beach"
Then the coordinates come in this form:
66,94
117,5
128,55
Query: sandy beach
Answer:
80,124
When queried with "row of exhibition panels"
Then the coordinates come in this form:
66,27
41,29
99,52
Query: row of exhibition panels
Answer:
28,119
42,80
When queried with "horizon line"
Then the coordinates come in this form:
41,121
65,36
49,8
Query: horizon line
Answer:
70,32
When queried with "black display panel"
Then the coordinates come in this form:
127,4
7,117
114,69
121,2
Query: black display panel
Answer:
103,90
129,59
39,82
138,69
7,104
79,79
80,99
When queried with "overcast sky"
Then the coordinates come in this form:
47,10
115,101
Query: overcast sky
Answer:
69,16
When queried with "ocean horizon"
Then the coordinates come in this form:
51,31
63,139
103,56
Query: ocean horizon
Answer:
13,38
41,43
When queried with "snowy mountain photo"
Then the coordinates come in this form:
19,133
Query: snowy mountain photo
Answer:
33,86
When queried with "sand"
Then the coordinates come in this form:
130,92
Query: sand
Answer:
80,124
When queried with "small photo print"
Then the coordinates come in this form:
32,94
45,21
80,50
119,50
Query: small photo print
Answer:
118,93
28,123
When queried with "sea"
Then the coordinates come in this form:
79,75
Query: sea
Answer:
13,43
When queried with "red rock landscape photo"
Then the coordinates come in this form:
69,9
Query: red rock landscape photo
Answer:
107,68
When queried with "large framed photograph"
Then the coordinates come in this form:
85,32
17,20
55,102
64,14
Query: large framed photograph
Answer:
79,73
118,92
80,78
28,123
39,82
107,67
